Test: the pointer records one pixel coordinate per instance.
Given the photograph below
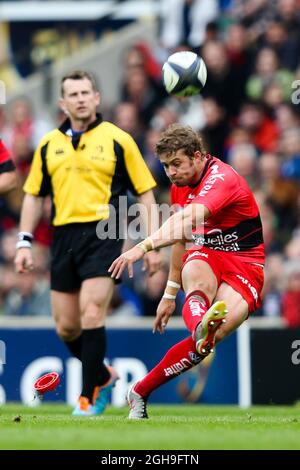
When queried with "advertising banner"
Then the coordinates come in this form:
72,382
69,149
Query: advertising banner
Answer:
275,358
28,353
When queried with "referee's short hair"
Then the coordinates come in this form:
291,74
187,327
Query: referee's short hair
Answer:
78,75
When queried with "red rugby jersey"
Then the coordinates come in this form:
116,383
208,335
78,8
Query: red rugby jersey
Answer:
234,224
6,163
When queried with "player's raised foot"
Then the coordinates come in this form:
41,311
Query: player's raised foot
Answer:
137,404
84,408
102,393
206,330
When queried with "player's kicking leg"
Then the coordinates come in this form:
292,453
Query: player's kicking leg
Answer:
208,335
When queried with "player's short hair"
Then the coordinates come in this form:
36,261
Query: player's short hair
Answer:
177,137
78,75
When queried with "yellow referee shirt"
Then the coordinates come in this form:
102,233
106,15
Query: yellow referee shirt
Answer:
83,174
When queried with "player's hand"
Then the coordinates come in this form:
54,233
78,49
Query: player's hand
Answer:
164,310
152,262
126,259
24,260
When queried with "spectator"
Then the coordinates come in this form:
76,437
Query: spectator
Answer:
126,117
243,158
288,13
223,81
184,22
216,128
286,46
31,296
273,285
286,117
263,129
291,295
268,70
139,91
238,50
282,195
290,150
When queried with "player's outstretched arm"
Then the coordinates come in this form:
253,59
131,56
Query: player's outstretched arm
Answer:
177,228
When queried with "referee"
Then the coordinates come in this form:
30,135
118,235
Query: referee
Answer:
84,165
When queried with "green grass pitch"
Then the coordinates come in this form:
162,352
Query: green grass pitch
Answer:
169,428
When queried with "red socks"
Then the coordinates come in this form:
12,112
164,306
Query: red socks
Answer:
181,357
195,307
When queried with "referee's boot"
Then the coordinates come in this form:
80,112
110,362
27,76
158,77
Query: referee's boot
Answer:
100,398
205,332
102,393
84,408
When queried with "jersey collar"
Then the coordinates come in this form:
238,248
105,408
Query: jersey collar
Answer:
66,125
206,166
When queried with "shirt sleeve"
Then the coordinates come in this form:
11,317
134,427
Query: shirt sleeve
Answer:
6,163
139,174
218,192
38,180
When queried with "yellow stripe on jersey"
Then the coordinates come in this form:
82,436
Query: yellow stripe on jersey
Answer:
82,181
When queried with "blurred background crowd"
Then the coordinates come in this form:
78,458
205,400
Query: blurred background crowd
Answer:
248,115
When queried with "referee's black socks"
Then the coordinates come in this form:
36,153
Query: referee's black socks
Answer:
75,346
93,351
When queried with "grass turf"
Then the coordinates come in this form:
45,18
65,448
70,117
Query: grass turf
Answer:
170,427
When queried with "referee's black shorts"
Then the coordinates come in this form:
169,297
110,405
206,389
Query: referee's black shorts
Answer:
78,254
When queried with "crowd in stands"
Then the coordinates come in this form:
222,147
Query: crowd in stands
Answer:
248,115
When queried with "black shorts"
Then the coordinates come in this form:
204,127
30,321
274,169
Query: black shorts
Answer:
78,254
